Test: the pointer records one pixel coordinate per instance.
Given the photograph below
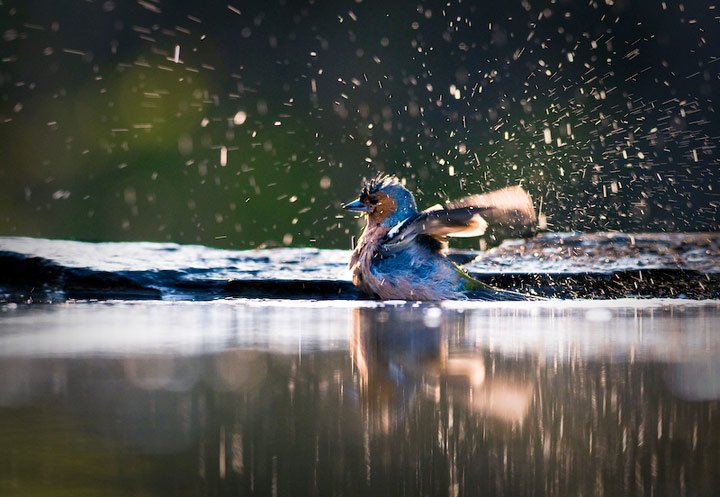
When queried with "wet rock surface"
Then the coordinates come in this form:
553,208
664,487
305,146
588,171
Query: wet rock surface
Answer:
606,265
564,265
604,253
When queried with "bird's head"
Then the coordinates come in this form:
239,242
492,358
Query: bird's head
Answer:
385,201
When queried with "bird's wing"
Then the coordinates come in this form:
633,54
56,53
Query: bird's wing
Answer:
438,224
467,217
508,205
459,222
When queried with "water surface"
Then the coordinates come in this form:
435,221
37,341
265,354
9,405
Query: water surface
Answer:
255,397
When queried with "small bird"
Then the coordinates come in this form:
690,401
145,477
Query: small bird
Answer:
401,253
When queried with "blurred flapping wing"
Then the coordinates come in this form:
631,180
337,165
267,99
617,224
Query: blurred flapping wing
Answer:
463,222
511,205
466,217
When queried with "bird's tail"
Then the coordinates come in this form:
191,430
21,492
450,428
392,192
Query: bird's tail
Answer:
490,294
477,290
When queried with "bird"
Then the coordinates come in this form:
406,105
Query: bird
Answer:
402,252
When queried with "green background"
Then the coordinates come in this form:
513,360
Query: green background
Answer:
604,111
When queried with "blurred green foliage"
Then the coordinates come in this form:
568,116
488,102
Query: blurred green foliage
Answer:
251,124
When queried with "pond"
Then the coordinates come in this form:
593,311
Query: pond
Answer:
298,397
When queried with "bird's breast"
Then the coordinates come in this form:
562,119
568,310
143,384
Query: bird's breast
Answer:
361,261
413,273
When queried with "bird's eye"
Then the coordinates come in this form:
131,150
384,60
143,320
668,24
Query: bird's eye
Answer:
373,200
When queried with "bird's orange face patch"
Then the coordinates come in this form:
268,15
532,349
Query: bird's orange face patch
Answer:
380,207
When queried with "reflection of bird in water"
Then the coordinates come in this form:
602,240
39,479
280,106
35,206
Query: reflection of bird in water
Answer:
401,253
402,356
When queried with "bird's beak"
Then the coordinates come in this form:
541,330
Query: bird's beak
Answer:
355,206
